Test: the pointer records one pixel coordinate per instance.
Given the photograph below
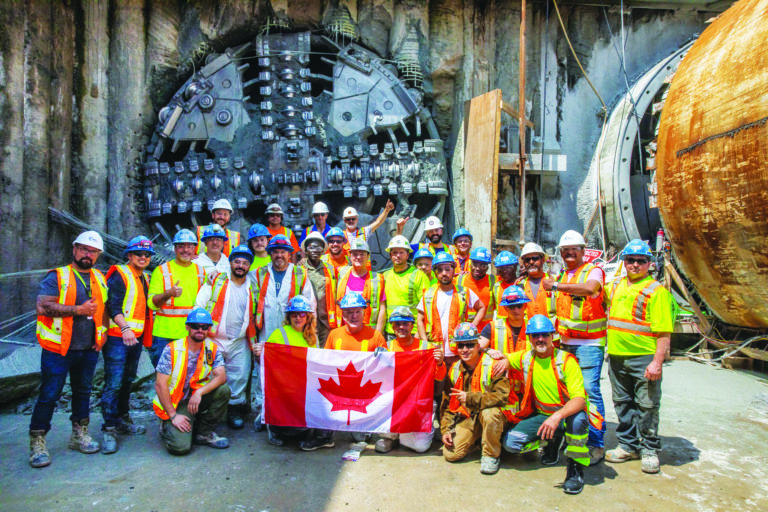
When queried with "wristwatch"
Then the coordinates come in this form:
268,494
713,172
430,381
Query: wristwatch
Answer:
554,286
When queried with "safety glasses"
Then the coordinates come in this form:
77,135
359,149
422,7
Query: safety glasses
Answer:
635,261
198,327
142,254
466,344
531,259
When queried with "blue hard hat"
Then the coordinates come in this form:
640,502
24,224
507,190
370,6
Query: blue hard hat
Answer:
636,248
258,230
298,304
465,331
199,316
462,232
422,253
539,324
139,243
185,236
214,231
241,251
480,254
279,242
335,232
443,257
513,296
505,259
352,300
401,314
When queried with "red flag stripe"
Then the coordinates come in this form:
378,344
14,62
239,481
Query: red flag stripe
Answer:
285,384
414,384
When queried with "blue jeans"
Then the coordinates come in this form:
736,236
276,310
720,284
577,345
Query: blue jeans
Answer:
524,436
591,363
121,363
156,350
80,364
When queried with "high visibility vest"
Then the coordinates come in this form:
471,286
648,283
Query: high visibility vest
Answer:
402,294
580,317
55,333
432,249
498,289
201,377
326,258
135,311
298,280
170,309
215,307
359,233
434,326
287,335
638,323
371,292
543,303
502,337
480,383
233,240
422,344
463,281
330,293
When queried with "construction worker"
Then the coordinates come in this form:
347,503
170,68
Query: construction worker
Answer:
481,282
462,241
404,284
322,275
403,321
275,225
542,301
190,404
231,303
506,272
352,232
213,260
337,256
640,323
581,323
422,259
71,329
221,213
445,305
473,403
433,230
506,334
172,291
131,321
258,238
320,225
369,284
554,402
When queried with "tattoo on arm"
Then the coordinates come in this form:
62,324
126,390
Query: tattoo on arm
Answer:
50,306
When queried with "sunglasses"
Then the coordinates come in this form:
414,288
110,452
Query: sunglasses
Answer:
633,261
300,314
142,254
531,259
351,219
275,215
199,327
516,306
538,336
465,344
335,241
319,214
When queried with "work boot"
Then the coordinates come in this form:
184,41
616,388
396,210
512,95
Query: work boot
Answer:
316,442
126,426
109,442
385,445
574,478
619,454
234,417
38,453
80,439
489,465
213,440
650,463
274,439
596,455
550,455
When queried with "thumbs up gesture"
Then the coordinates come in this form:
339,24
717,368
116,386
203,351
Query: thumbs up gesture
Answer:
175,290
87,308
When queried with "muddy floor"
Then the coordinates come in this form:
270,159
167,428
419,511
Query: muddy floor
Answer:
714,427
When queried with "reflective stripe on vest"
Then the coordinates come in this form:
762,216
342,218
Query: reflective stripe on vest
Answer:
371,293
134,308
422,344
480,383
580,317
201,377
363,345
491,306
169,309
298,280
428,301
639,323
501,331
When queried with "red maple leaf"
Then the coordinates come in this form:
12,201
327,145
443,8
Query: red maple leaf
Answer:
349,394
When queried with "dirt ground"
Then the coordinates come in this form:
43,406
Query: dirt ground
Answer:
714,425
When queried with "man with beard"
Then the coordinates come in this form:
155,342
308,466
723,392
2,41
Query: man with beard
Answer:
506,272
71,328
336,256
213,260
231,303
352,232
359,278
433,229
323,278
221,213
541,301
404,284
479,281
275,226
462,241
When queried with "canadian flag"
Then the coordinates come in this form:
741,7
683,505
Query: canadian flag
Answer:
344,390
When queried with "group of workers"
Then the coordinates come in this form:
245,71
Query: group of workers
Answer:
518,355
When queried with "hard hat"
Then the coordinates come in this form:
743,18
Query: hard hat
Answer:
352,300
539,324
636,248
513,296
443,257
214,231
399,242
432,223
241,251
531,248
349,212
480,254
274,208
299,304
279,242
572,237
258,230
185,236
314,235
401,314
505,259
139,243
199,316
422,253
335,232
319,208
359,245
222,204
91,239
465,331
461,232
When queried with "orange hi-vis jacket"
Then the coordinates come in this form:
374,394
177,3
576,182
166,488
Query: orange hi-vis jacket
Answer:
135,311
457,314
330,293
201,377
489,299
580,317
481,380
543,303
215,307
298,280
55,333
233,240
371,293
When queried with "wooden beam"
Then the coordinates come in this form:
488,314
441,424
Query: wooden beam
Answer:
509,109
670,270
521,121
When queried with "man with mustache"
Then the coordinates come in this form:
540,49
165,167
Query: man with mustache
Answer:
221,213
479,281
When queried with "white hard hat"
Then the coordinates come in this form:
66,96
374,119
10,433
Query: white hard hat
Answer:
314,235
274,208
91,239
432,223
222,204
320,208
399,242
350,212
531,248
572,237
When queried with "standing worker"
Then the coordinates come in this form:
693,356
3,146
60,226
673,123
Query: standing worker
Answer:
352,232
337,256
542,301
640,323
481,282
320,225
213,260
506,272
506,334
71,328
369,284
275,225
404,284
462,241
221,213
258,239
422,259
322,275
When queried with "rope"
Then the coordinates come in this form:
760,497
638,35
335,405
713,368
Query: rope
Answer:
26,273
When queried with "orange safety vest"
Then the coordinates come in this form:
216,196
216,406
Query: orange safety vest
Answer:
458,313
135,311
169,309
499,287
638,324
330,293
326,258
502,337
543,303
467,281
55,333
480,382
371,293
215,307
201,377
432,249
233,240
298,280
580,317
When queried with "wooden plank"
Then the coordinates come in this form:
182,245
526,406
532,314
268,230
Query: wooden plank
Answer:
509,109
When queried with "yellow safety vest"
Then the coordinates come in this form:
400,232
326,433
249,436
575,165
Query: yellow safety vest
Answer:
134,303
169,309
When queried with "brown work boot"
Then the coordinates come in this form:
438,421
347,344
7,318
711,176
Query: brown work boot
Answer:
38,453
80,439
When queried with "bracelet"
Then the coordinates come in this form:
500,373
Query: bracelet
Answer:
174,415
125,328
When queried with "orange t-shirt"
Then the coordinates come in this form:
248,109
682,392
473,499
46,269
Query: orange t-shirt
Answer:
364,341
440,371
282,230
